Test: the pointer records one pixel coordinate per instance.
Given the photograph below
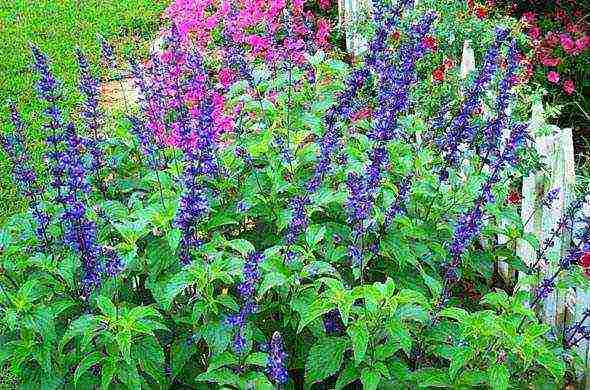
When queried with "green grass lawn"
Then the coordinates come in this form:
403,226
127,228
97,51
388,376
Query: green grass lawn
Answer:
57,27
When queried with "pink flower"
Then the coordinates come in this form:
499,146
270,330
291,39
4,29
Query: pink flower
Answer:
560,14
218,100
325,4
535,32
226,77
582,43
258,43
553,77
298,6
272,96
322,33
567,43
529,18
361,114
569,86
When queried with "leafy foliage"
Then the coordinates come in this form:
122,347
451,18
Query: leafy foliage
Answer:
228,258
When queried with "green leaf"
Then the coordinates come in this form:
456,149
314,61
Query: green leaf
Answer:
257,359
148,352
180,354
222,376
270,280
217,335
86,363
315,234
536,330
399,333
129,375
222,359
432,377
498,376
359,335
433,284
370,379
61,305
245,247
108,372
347,376
313,311
552,363
165,291
85,325
132,231
473,378
317,268
139,312
385,351
455,313
106,306
124,342
459,358
114,210
6,350
496,299
324,359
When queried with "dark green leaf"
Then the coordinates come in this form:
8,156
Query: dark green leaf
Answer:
106,306
498,376
315,234
359,335
370,379
318,366
86,363
257,359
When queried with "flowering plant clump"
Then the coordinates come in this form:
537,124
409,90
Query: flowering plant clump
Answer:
557,49
268,216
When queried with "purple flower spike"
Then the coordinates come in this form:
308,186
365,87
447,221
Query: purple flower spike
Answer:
277,358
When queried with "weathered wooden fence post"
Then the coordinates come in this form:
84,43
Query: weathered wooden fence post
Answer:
350,12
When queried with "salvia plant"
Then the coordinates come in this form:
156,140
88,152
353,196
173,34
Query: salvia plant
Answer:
266,215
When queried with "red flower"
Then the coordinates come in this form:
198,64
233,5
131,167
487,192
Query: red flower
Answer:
585,260
481,12
514,197
438,74
362,114
569,86
587,272
560,14
551,39
395,35
448,63
430,42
